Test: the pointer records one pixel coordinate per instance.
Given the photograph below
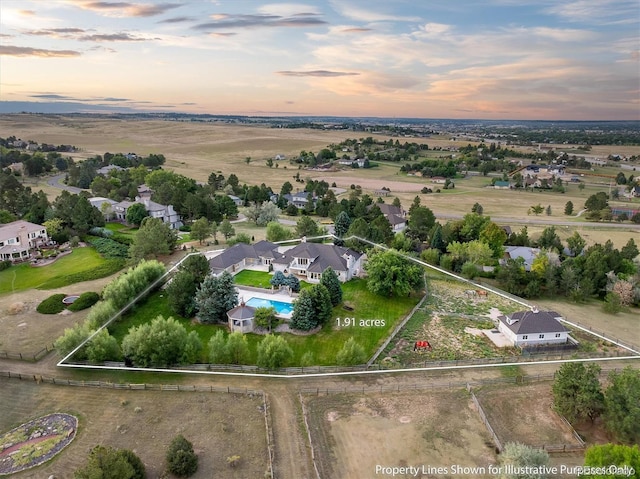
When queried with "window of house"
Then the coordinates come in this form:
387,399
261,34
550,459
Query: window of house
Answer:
541,336
525,337
557,335
303,260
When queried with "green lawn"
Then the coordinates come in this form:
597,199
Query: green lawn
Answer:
325,344
259,279
82,264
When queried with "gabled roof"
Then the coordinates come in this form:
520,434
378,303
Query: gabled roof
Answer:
11,230
323,256
240,251
534,322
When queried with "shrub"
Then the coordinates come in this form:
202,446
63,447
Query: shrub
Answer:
181,460
52,305
101,312
86,300
4,265
109,248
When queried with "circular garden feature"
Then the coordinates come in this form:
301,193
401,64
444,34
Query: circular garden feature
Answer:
35,442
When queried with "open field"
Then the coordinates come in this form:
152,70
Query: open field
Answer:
219,425
516,418
352,434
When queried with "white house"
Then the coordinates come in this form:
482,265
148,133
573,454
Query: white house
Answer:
533,328
18,238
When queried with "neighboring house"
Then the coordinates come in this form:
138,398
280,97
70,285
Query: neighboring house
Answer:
635,192
533,328
241,318
166,213
105,170
438,179
18,238
258,256
381,193
525,252
279,157
345,162
144,191
309,260
236,200
299,199
395,215
105,205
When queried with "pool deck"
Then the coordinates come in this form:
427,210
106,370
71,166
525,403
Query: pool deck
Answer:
244,294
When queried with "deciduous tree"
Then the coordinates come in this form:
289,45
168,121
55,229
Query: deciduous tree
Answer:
622,405
519,456
351,353
577,394
390,274
154,238
273,352
181,459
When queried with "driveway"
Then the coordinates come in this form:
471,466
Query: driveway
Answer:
58,182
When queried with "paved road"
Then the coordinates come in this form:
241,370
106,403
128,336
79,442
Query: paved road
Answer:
57,182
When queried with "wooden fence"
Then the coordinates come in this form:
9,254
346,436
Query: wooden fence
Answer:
129,386
485,421
37,356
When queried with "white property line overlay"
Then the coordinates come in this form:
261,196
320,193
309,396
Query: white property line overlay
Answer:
62,363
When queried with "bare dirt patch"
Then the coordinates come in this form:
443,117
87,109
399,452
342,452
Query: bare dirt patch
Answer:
515,417
401,429
219,425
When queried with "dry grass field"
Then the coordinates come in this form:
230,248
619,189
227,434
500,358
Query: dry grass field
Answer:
352,434
219,425
516,418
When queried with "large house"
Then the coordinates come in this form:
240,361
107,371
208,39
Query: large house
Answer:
309,260
306,260
18,238
527,253
533,328
258,256
166,213
396,216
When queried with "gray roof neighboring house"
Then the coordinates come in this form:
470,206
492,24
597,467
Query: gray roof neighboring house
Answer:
241,251
525,252
533,322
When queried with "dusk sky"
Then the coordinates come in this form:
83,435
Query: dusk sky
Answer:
493,59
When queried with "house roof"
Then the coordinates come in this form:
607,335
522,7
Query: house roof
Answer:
533,322
323,256
242,311
13,248
525,252
13,229
240,251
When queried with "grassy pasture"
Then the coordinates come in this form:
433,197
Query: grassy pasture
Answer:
218,424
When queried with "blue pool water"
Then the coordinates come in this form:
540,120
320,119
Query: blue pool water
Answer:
279,306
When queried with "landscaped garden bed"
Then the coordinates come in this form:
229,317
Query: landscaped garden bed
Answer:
36,442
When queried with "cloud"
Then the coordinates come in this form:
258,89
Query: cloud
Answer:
355,30
82,35
112,37
368,14
125,9
289,9
27,13
596,11
315,73
6,35
229,21
222,34
176,20
13,51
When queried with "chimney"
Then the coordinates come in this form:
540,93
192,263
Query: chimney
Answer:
534,310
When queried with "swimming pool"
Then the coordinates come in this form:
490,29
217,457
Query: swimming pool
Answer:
280,306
